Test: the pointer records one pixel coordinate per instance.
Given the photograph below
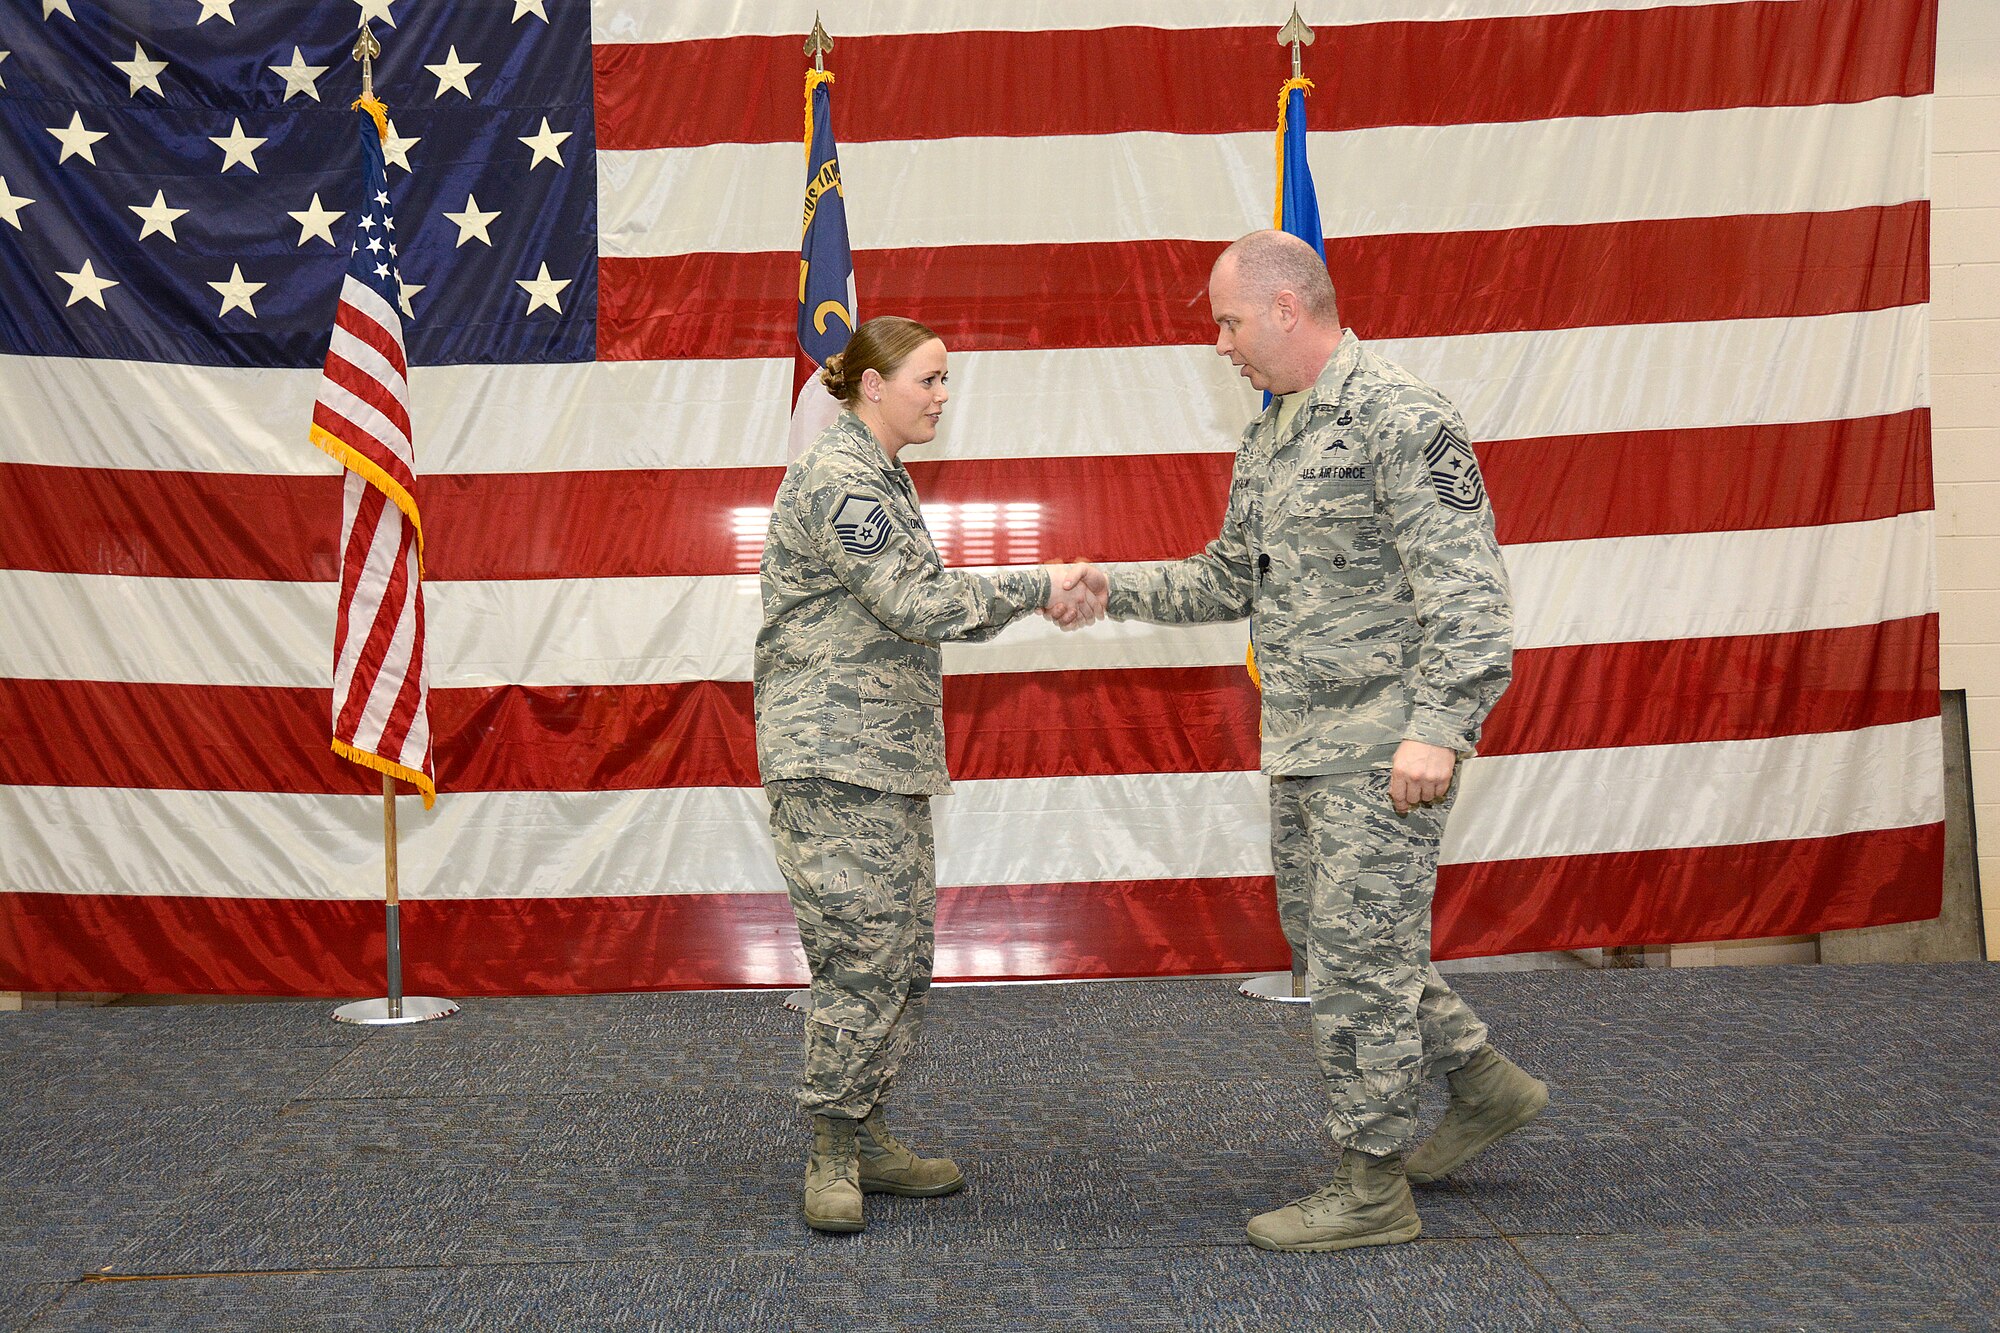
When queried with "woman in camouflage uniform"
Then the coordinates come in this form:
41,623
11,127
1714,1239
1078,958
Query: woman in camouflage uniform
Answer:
850,745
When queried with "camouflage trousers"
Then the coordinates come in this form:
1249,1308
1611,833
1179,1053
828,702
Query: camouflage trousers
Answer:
1355,881
862,873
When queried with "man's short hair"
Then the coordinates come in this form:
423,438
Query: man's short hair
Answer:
1269,262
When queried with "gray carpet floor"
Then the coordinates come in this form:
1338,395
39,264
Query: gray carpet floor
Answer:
1731,1148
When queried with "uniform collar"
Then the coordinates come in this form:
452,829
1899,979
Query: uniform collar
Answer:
1327,388
855,437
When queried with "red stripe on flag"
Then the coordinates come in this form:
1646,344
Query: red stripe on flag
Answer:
374,663
1223,80
410,690
1153,720
513,946
1684,894
1739,688
1151,293
370,331
365,444
384,398
1714,479
650,523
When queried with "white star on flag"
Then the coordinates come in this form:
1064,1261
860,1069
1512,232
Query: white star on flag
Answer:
409,289
543,289
472,222
545,145
375,9
522,8
53,7
316,221
3,56
158,217
396,149
143,71
236,293
11,204
215,9
299,76
237,147
85,285
76,140
451,74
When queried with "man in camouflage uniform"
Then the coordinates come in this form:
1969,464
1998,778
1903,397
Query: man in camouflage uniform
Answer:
850,746
1359,541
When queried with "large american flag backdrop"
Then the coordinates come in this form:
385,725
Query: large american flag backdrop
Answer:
1670,259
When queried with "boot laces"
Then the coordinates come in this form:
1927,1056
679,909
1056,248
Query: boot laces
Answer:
1328,1192
881,1140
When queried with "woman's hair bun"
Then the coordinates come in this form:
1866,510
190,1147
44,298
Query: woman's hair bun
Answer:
831,376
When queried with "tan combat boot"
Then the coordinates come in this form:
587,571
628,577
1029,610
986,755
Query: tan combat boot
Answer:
833,1177
1368,1203
887,1167
1490,1096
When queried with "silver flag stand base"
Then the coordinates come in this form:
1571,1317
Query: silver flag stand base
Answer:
799,1001
1281,987
413,1009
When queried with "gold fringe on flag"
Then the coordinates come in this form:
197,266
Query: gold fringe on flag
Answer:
1284,99
354,460
814,78
415,777
379,109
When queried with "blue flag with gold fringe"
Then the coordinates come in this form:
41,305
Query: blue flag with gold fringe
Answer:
826,270
1297,207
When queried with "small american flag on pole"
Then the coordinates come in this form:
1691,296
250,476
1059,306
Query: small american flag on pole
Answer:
381,713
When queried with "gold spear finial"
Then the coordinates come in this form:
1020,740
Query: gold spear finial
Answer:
818,44
366,48
1297,34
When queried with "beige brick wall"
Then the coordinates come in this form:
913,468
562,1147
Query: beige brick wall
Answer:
1965,396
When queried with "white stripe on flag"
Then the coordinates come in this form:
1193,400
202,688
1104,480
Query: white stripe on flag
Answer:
1049,830
670,414
1392,180
641,21
1578,802
659,630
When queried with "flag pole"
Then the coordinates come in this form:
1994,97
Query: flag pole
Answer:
1288,987
392,908
818,44
393,1009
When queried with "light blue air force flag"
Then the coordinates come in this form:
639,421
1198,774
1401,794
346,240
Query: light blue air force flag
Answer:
1298,201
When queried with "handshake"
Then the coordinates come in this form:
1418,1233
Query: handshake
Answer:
1078,594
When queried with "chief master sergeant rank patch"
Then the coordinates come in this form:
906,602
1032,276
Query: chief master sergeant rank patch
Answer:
1455,471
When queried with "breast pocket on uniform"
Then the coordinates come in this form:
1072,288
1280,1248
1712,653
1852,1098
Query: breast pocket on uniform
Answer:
1340,541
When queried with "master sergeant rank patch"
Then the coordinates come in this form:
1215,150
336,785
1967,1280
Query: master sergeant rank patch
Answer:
862,525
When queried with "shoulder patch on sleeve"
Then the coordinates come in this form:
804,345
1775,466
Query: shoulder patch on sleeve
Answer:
1455,471
861,524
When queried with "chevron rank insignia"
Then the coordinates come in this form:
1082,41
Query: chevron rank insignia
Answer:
862,525
1455,471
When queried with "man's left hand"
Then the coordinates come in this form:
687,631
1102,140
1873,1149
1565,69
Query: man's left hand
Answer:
1419,774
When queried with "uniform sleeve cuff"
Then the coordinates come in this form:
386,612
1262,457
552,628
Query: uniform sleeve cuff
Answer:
1441,733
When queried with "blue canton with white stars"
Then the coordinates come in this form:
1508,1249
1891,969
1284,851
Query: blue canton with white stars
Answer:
181,180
